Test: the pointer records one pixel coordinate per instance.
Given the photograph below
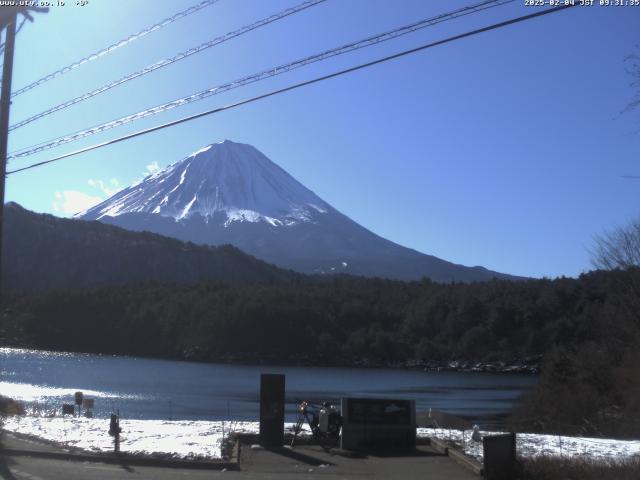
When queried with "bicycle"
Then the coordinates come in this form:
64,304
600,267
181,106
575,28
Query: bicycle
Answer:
324,421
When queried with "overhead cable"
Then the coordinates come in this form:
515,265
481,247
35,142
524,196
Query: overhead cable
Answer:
169,61
24,19
295,86
256,77
115,46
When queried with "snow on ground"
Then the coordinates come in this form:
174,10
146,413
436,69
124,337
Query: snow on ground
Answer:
178,438
532,444
202,439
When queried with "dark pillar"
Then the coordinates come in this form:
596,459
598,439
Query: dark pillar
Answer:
5,104
499,456
272,410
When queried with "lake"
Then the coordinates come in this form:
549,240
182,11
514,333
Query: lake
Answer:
150,389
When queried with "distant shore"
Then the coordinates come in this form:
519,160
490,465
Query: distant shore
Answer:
520,366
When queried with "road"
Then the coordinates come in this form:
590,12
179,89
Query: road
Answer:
303,462
29,468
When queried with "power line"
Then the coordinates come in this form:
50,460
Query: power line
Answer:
115,46
171,60
24,19
297,85
256,77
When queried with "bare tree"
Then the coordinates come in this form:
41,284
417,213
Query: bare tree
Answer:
633,69
618,248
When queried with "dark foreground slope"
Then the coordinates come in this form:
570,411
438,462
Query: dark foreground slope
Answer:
43,251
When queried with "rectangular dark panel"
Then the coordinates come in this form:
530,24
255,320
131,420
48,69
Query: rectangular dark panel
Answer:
378,423
272,409
499,456
369,411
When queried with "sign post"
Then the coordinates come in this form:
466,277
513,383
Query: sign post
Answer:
87,405
114,431
78,398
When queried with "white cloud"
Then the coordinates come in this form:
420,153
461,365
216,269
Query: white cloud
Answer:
69,202
150,169
108,188
153,167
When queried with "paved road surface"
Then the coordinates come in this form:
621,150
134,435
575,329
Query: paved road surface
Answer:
304,462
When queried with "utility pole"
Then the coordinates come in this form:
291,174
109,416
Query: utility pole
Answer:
8,20
5,105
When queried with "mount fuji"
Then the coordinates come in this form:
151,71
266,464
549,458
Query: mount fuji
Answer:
230,193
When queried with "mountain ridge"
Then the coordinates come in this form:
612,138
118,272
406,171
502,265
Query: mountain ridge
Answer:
231,193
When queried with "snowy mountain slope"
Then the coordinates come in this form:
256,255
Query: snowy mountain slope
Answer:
226,179
231,193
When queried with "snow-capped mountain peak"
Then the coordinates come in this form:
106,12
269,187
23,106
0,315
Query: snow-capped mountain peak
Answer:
230,193
230,181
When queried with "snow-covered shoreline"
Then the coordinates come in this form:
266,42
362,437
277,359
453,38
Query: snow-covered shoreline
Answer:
176,439
203,439
536,444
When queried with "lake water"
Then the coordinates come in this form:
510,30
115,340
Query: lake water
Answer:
160,389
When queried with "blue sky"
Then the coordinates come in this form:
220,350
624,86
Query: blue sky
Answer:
505,150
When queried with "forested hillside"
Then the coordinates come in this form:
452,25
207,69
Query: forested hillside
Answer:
337,321
42,251
587,329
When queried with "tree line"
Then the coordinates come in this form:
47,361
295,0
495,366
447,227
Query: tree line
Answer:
585,329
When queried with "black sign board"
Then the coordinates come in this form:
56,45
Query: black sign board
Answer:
370,411
272,409
499,456
68,409
78,398
378,423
